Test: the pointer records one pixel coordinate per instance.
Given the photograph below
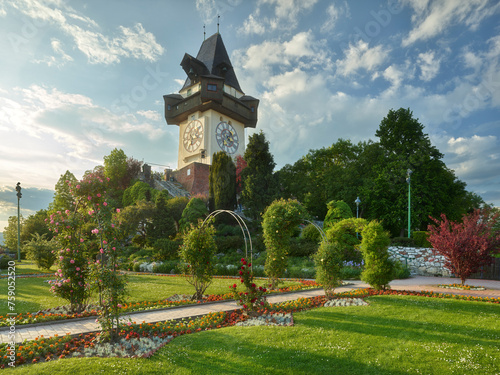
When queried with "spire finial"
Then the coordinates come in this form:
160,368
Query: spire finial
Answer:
218,17
204,33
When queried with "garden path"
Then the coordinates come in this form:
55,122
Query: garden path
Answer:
85,325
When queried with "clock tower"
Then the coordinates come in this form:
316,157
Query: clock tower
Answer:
211,112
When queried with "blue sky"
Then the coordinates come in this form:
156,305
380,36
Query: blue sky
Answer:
80,78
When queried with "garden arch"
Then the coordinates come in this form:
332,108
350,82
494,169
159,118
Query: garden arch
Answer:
243,226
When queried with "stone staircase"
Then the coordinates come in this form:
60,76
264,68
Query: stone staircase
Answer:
174,188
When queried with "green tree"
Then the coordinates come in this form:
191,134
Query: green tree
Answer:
136,219
138,191
41,250
115,167
162,223
222,183
195,210
337,211
36,224
198,253
10,232
175,208
434,188
63,198
259,184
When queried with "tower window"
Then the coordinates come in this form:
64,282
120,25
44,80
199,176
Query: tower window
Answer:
211,87
169,107
252,109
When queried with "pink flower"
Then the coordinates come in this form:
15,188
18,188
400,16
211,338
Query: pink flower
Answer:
105,203
89,197
78,186
59,270
99,195
118,210
72,261
101,250
78,268
61,258
81,239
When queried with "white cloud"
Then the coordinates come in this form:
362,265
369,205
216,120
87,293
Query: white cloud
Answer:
285,17
53,60
51,131
361,56
433,17
99,48
334,12
429,65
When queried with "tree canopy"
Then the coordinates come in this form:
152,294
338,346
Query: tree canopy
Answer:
222,182
259,186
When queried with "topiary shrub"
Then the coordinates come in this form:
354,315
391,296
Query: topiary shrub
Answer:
337,211
311,233
195,210
328,260
401,271
420,239
347,234
280,220
378,270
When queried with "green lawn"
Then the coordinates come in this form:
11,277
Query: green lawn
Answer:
33,294
394,335
28,267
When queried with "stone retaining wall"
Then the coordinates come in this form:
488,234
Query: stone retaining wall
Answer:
421,261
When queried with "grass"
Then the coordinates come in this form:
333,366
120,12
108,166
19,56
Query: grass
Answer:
394,335
33,294
28,267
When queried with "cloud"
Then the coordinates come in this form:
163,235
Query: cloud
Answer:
52,131
53,60
285,16
434,17
429,65
334,12
361,56
134,42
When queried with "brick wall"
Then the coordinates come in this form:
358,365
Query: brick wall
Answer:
194,178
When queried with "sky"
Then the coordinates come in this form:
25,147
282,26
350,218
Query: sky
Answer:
80,78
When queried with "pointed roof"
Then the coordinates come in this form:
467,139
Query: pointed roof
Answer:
212,59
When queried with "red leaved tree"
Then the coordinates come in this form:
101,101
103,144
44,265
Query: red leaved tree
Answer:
468,245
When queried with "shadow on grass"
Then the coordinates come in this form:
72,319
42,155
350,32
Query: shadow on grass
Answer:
428,320
231,353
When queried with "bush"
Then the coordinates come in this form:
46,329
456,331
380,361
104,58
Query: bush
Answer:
169,267
350,273
337,211
403,241
401,271
378,270
40,250
224,230
328,262
311,233
420,239
166,249
301,247
4,261
230,244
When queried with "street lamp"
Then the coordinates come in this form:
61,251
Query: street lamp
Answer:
408,179
357,201
19,195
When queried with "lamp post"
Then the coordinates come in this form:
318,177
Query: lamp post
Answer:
19,195
357,201
408,179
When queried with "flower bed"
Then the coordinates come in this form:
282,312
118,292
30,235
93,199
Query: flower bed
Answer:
62,312
462,287
144,339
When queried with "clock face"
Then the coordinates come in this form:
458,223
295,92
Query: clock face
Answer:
227,138
193,135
